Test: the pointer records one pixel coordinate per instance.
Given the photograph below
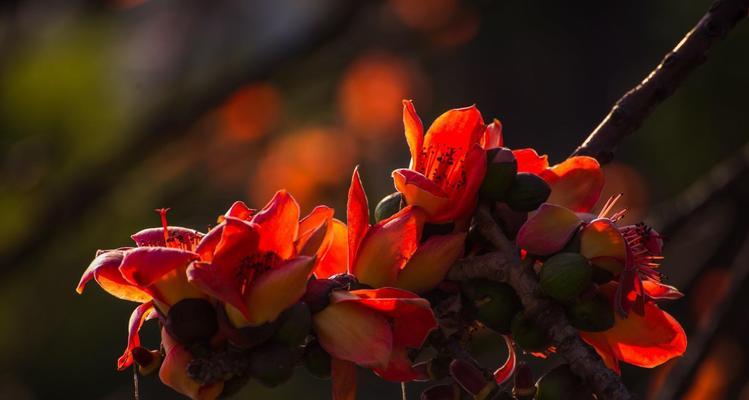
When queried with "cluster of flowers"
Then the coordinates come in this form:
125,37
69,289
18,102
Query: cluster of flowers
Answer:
265,290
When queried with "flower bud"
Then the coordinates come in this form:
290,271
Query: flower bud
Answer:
561,384
525,388
388,206
317,296
147,360
500,174
563,276
272,364
441,392
471,379
295,325
496,303
591,315
317,361
527,192
191,320
527,335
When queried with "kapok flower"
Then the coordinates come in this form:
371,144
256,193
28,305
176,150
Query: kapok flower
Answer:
258,263
645,340
173,372
390,253
373,329
447,165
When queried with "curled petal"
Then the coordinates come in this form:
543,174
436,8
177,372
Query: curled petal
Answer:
603,244
357,214
420,191
278,224
414,131
352,332
529,161
105,269
310,226
503,373
387,247
400,368
430,263
334,261
576,183
160,272
343,374
240,210
659,291
548,230
492,137
178,237
141,313
207,245
173,372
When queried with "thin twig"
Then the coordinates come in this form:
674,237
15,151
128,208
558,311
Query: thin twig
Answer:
403,391
136,388
636,105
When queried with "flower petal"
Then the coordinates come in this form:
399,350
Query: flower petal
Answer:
659,291
343,374
576,183
178,237
603,244
529,161
352,332
141,313
420,191
456,130
240,210
173,372
278,224
503,373
387,247
548,230
334,261
414,131
464,186
311,224
430,263
357,216
105,269
400,368
492,137
207,245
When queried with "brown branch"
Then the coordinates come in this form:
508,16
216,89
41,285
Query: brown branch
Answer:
636,105
504,266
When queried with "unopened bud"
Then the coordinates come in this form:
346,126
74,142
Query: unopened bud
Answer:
441,392
295,325
388,206
500,174
525,388
147,360
272,364
496,303
591,315
527,192
191,320
317,296
527,335
565,275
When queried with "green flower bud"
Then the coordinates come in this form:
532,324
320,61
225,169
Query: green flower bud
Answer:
591,315
527,335
296,323
317,361
496,303
500,174
563,276
272,364
527,192
561,384
191,320
388,206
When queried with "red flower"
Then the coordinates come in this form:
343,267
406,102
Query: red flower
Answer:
173,372
372,329
447,165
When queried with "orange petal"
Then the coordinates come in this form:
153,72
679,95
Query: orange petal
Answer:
504,372
105,269
492,137
240,210
352,332
160,272
343,374
274,291
141,313
420,191
387,247
334,261
529,161
548,230
278,224
599,343
414,131
458,129
207,245
603,244
464,186
173,372
430,263
575,183
660,291
309,225
400,368
357,214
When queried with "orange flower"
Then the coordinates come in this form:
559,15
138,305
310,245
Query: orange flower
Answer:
173,372
391,252
258,263
447,165
372,329
645,340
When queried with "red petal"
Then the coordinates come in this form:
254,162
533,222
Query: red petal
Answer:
659,291
160,272
548,230
173,372
343,374
421,192
278,224
400,368
503,373
458,130
207,245
529,161
105,268
575,183
185,237
464,186
414,131
430,263
240,210
334,261
492,137
387,247
357,214
141,313
320,215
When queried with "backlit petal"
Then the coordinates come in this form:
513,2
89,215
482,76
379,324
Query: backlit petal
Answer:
178,237
173,373
576,183
278,224
504,372
357,214
105,269
309,225
548,230
240,210
529,161
400,368
141,313
430,263
464,186
414,131
457,130
421,192
603,244
343,375
335,260
492,137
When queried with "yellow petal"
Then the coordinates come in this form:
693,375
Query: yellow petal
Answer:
603,245
430,262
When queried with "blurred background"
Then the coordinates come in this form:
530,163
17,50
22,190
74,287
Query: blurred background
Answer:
109,109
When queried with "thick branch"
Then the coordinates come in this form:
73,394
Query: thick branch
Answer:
503,266
636,105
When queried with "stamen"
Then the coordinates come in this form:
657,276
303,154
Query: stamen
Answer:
609,205
162,212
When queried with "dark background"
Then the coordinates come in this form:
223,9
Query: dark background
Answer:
109,109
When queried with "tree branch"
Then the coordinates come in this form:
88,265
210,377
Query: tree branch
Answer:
504,266
636,105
